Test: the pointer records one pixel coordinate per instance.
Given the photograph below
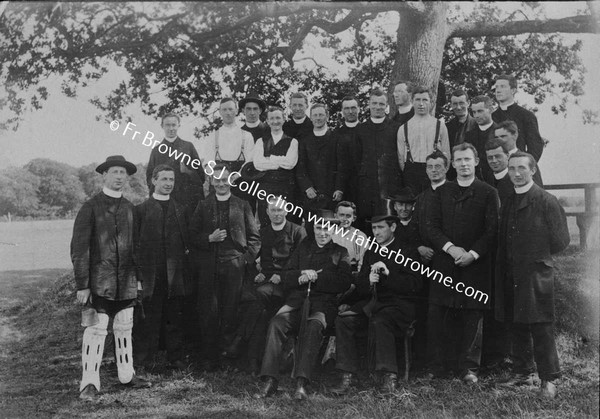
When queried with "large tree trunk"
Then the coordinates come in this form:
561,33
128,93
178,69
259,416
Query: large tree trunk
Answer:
420,47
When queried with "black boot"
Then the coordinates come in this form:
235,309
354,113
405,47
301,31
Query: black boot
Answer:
301,393
268,389
344,386
389,383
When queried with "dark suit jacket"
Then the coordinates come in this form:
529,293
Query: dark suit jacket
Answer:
531,232
402,118
457,130
149,218
478,138
468,220
504,187
317,165
298,131
348,160
276,249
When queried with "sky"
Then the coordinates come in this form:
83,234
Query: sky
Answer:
66,130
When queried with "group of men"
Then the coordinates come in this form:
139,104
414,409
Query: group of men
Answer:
459,198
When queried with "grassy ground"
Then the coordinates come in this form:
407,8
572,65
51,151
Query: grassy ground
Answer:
40,368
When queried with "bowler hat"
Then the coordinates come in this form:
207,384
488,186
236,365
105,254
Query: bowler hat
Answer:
252,97
324,216
116,161
249,172
405,195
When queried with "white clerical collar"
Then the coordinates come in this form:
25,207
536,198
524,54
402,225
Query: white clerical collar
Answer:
404,109
320,132
523,189
377,120
405,222
170,139
351,124
504,106
299,121
223,197
434,186
277,136
486,126
252,124
465,183
513,151
111,193
278,227
160,197
501,174
388,243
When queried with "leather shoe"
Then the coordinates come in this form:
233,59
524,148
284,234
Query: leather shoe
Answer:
300,394
470,378
268,389
344,386
548,389
389,383
89,393
234,349
137,382
518,380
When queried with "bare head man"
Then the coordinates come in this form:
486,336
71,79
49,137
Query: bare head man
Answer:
383,230
377,103
496,155
521,168
276,211
298,105
482,107
459,101
422,100
220,179
275,118
345,211
228,110
251,111
505,88
350,109
319,115
403,92
170,124
507,132
464,160
163,179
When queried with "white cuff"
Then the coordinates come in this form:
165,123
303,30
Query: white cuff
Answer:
447,246
474,253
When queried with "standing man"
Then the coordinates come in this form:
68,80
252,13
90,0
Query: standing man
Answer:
252,107
497,159
462,226
418,138
461,122
102,251
298,126
224,231
402,96
529,139
348,148
482,107
533,227
379,174
189,180
407,231
161,253
316,171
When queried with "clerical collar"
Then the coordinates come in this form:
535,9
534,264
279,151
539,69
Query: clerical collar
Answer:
501,174
465,183
486,126
170,139
320,132
278,227
277,136
513,151
506,105
405,222
160,197
378,120
252,124
404,109
434,186
299,121
388,243
351,124
223,197
111,193
524,189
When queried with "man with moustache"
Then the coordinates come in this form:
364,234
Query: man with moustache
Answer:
462,225
482,107
533,228
402,97
298,126
348,148
508,132
379,174
316,171
252,107
497,159
418,138
189,180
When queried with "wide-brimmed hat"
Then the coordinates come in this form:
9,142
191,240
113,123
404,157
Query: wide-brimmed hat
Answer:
405,195
249,172
325,216
252,97
116,161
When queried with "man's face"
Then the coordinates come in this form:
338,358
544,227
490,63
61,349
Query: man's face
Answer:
322,235
170,125
275,120
464,162
346,216
401,95
164,182
377,105
481,113
459,105
503,91
221,185
251,112
350,110
114,178
497,159
436,170
228,111
404,209
276,213
519,171
298,106
319,116
422,103
383,232
508,139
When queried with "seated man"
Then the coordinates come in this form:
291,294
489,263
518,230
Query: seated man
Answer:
278,241
393,289
345,211
317,271
408,230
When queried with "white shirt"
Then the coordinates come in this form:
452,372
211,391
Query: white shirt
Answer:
263,163
501,174
355,251
111,193
160,197
230,144
421,137
524,189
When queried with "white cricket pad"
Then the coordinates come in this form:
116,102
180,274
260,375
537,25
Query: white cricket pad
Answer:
122,327
91,352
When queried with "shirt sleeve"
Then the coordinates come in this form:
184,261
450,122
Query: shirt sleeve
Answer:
289,160
260,161
248,145
401,147
444,142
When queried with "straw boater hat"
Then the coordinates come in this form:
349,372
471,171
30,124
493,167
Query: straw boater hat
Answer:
116,161
252,97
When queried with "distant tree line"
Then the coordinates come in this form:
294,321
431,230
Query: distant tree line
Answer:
45,188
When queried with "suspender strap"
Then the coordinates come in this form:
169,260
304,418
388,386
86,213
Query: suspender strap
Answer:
241,157
437,135
408,153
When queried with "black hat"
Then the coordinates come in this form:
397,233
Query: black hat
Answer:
324,216
249,172
116,161
252,97
378,218
405,195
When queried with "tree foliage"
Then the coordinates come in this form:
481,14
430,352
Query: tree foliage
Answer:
18,192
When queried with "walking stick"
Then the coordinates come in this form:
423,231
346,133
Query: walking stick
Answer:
303,321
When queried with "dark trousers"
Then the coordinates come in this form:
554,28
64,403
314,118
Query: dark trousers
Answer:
415,177
282,326
535,342
496,340
218,305
454,339
347,330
